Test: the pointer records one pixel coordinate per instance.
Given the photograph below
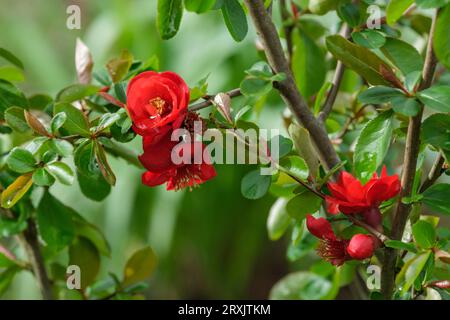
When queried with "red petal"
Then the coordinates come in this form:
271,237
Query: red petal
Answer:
320,227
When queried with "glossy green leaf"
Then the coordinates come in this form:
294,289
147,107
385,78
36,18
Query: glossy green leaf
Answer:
9,56
11,74
403,55
301,285
10,96
308,64
437,197
278,220
296,166
360,59
169,17
379,95
92,232
76,92
424,234
321,7
399,245
368,38
103,164
303,204
436,130
61,171
62,147
349,12
85,255
41,177
255,87
436,97
372,145
20,160
441,40
55,222
235,19
15,118
57,122
254,185
396,8
406,106
118,67
411,270
139,267
76,122
199,6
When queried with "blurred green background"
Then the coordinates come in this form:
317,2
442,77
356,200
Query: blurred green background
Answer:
211,242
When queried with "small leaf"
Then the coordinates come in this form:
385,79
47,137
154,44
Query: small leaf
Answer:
296,166
372,145
118,67
436,130
424,234
20,160
35,124
16,119
441,40
403,55
103,164
169,17
399,245
305,149
368,38
255,87
406,106
235,19
199,6
16,190
139,267
278,220
303,204
76,92
254,185
42,178
379,95
85,255
10,97
396,8
57,122
61,171
9,56
83,62
349,12
12,74
301,285
411,270
436,97
437,197
76,122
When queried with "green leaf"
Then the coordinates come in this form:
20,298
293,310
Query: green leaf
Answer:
139,267
76,122
278,220
296,166
428,4
12,74
199,6
301,285
42,178
372,145
169,17
436,97
20,160
424,234
441,40
9,56
437,197
76,92
85,255
10,96
55,222
399,245
57,122
284,145
62,147
254,185
235,19
61,171
39,101
6,278
92,232
118,67
396,8
402,55
411,270
358,58
368,38
379,95
406,106
304,147
255,87
16,190
16,120
349,12
436,130
94,186
321,7
303,204
103,164
308,64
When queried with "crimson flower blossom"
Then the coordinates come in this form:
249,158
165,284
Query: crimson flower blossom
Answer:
336,250
349,196
157,159
157,103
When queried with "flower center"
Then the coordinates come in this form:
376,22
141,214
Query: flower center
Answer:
185,177
161,106
333,251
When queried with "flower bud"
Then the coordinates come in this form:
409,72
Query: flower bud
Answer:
360,247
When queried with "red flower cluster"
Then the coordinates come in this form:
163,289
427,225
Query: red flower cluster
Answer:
349,196
158,104
336,250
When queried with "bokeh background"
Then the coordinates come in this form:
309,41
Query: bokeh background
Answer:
211,242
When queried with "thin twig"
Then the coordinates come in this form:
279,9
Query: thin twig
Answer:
412,149
369,228
287,88
209,101
287,29
434,173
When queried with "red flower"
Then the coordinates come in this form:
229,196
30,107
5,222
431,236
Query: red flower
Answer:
349,196
157,103
336,250
157,159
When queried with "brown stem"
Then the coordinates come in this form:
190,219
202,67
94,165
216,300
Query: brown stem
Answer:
209,101
369,228
287,28
434,173
29,240
412,149
287,88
